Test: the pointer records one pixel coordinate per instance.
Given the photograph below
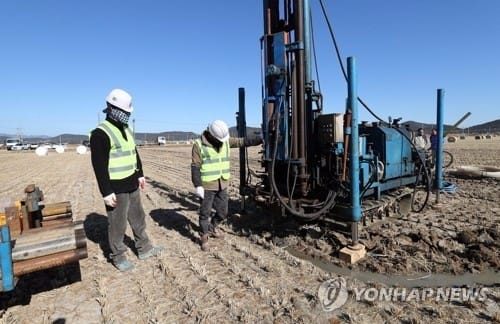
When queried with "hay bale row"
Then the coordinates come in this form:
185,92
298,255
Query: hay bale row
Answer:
480,137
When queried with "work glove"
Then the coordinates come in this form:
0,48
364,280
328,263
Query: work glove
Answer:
110,200
142,182
200,192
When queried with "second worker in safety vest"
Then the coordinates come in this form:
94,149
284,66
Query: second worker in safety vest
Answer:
210,172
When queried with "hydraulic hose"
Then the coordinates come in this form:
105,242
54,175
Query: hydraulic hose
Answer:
329,201
426,172
449,187
428,182
370,181
339,57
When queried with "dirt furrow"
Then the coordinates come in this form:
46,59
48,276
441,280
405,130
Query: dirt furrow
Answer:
245,269
218,281
249,276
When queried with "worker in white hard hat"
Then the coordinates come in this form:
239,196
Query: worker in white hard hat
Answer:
118,170
210,172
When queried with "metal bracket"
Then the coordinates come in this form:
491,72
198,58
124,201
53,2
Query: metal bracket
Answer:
293,47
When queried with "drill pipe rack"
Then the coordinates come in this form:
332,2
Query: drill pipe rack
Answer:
37,236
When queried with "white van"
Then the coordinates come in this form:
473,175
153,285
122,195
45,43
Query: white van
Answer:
162,140
10,142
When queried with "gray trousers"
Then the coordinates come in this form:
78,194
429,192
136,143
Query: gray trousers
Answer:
128,208
218,200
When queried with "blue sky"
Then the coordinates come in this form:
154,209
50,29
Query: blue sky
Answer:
183,61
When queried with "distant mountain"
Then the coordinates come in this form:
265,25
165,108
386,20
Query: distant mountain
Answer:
492,126
36,136
427,127
185,136
66,138
251,131
78,139
63,138
489,127
171,136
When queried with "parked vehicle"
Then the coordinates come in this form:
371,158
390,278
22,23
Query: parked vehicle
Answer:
10,142
162,140
17,147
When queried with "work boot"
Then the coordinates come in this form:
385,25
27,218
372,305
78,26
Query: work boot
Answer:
204,242
216,233
154,251
123,265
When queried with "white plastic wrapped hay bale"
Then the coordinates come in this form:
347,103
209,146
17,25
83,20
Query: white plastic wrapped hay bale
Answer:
42,151
81,149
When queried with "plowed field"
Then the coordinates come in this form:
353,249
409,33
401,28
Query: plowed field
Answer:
266,269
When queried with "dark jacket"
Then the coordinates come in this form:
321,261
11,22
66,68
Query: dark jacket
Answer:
100,146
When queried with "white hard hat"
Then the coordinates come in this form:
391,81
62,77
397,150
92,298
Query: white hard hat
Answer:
120,99
219,130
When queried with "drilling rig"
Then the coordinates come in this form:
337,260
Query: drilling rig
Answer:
318,165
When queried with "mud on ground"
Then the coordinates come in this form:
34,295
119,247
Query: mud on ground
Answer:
267,269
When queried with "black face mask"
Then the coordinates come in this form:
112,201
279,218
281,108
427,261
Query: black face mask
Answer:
119,115
212,140
218,144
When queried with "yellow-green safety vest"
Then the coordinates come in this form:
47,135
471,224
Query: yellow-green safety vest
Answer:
122,155
215,165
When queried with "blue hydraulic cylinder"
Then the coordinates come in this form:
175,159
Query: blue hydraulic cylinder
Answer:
352,104
440,132
6,259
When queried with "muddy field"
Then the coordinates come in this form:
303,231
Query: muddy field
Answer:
267,269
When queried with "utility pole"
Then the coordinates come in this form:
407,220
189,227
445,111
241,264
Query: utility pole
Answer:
20,134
